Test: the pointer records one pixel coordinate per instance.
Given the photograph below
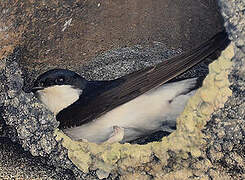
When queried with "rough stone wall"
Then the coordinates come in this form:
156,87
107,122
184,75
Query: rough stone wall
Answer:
226,129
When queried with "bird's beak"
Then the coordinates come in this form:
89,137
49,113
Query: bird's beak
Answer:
36,88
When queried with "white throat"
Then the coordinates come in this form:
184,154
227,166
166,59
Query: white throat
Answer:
58,97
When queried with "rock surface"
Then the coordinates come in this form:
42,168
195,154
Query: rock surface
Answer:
226,129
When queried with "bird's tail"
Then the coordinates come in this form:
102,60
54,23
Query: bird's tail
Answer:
155,76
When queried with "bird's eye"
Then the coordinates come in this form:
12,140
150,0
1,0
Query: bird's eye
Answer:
41,84
60,80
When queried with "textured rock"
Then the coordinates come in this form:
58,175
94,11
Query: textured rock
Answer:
226,129
231,118
23,165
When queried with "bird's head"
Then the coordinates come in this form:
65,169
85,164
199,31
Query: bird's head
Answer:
58,88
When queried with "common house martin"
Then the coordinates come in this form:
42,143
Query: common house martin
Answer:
126,108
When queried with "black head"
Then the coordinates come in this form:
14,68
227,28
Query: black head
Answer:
59,77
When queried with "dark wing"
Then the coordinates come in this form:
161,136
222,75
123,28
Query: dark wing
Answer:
102,96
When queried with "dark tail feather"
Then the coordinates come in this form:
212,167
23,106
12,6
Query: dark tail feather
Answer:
161,73
187,60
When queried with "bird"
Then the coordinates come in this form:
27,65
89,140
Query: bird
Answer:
128,107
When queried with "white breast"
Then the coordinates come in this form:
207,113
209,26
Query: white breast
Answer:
59,97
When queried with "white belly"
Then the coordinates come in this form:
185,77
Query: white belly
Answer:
141,116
